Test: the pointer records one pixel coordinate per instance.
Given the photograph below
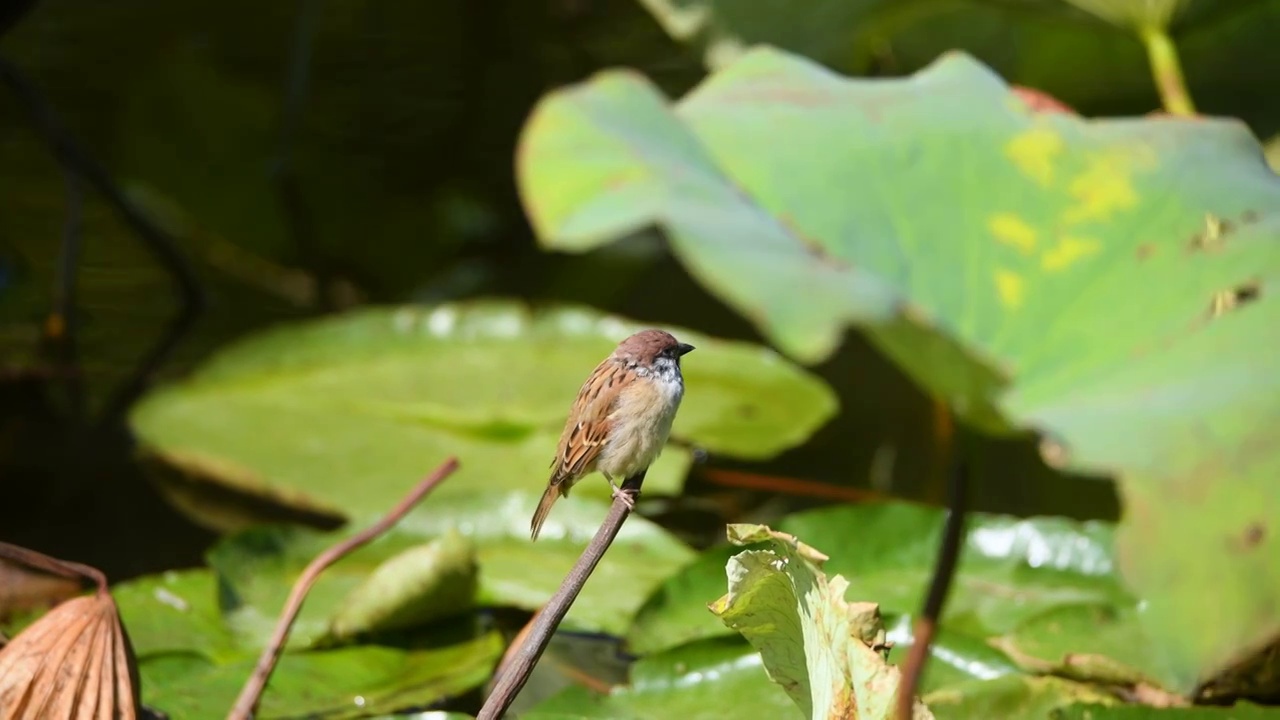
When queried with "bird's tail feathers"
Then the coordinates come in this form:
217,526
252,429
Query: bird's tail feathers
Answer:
549,497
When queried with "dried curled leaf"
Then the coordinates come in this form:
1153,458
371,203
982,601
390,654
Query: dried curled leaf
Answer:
829,654
74,663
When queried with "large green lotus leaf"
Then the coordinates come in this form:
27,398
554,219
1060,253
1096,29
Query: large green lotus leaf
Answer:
344,414
424,583
724,678
676,612
1024,41
193,664
426,715
348,682
705,680
1101,281
514,571
1240,711
1012,697
1011,572
954,657
258,566
176,612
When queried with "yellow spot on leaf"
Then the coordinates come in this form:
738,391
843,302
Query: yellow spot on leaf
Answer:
1010,288
1013,231
1035,152
1067,252
1105,185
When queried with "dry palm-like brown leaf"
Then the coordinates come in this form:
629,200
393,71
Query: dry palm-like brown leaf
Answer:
75,662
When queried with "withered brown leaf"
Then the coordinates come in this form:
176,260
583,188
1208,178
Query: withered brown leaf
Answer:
74,663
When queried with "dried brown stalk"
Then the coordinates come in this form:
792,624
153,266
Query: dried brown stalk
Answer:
247,703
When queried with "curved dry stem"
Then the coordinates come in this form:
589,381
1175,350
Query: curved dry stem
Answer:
52,565
247,703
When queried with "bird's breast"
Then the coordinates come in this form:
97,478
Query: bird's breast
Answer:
641,423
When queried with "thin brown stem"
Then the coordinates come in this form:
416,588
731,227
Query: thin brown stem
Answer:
943,573
519,666
247,703
789,486
52,565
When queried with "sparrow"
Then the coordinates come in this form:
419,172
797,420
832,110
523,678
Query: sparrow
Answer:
621,418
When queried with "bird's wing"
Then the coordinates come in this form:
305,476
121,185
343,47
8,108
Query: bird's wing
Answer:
587,428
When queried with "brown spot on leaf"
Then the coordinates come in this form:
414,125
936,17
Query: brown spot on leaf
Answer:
915,314
1146,250
814,248
1212,237
1038,101
747,412
1054,453
1251,538
1234,298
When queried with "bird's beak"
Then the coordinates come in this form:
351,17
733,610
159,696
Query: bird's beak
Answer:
683,349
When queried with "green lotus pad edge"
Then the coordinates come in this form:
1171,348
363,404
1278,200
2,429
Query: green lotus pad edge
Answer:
342,415
1105,283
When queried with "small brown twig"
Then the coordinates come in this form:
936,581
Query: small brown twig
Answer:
943,573
247,703
52,565
518,666
798,487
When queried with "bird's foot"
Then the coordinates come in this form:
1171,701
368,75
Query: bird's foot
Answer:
628,496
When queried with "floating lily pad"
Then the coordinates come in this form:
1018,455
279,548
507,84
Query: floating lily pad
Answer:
347,682
1105,282
1013,575
424,583
176,613
706,680
343,415
1013,697
259,566
1240,711
193,665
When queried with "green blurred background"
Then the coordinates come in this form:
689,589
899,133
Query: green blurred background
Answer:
402,152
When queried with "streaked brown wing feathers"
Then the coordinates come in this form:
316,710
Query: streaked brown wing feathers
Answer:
588,425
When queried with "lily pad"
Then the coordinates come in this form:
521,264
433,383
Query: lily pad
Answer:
1104,282
176,613
258,566
343,414
256,570
705,680
1013,574
426,582
1023,41
193,665
347,682
1240,711
1013,697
